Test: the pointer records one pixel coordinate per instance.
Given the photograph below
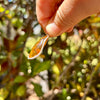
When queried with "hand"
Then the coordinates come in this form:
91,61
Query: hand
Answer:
58,16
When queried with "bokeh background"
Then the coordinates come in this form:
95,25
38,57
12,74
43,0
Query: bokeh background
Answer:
68,68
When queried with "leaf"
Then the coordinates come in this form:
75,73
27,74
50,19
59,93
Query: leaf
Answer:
1,98
38,89
59,63
3,93
21,90
88,98
17,22
24,65
37,66
19,79
2,9
55,69
64,92
3,56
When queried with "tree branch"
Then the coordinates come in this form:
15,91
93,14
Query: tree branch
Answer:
90,82
71,64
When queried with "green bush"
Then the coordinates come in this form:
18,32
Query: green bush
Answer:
70,65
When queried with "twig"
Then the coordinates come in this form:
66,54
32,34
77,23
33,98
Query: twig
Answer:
70,64
48,96
98,48
29,30
7,7
90,82
51,94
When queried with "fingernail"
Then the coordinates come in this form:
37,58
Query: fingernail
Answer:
52,29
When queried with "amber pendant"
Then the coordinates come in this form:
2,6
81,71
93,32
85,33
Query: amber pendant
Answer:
38,47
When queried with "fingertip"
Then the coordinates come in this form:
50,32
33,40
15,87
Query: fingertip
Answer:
53,30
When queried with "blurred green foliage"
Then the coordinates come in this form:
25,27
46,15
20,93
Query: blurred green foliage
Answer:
72,62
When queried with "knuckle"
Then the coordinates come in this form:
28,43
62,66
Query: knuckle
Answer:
60,18
63,19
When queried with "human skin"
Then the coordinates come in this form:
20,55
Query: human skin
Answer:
58,16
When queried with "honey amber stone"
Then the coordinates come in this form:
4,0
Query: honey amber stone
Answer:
38,47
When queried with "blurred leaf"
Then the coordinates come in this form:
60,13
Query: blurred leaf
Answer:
88,98
1,98
94,62
4,93
19,79
63,36
94,19
21,40
17,22
38,89
55,69
68,98
2,9
37,66
21,90
3,56
24,65
79,88
59,63
7,12
64,92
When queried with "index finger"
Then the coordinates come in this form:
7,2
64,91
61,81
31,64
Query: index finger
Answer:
45,9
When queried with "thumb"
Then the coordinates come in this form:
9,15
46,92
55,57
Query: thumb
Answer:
65,18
